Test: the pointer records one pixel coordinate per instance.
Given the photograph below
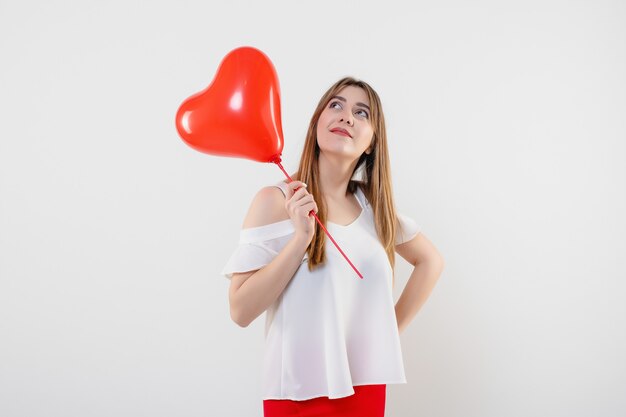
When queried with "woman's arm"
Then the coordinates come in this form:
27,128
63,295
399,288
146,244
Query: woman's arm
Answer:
251,293
428,265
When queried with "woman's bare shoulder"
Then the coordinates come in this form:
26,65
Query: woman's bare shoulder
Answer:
268,206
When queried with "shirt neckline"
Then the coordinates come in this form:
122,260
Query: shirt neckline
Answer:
358,194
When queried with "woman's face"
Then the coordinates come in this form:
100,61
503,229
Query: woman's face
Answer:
344,127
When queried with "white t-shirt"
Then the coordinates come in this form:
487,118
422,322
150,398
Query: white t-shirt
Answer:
329,330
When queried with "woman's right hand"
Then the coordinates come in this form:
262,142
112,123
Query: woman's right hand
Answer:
299,204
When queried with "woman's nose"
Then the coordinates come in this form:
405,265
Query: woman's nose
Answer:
347,118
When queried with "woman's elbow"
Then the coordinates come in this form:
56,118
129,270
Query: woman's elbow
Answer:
238,316
440,264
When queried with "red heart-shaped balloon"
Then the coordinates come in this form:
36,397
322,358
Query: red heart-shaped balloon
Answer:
238,114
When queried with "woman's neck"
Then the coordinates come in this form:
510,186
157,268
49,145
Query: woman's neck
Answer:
334,176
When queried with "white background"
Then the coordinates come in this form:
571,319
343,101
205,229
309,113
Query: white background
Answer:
507,129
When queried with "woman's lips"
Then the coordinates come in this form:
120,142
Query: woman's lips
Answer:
340,132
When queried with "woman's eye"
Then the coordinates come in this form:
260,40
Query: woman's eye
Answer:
337,105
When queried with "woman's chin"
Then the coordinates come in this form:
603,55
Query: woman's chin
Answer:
348,155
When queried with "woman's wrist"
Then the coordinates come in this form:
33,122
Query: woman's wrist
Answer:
301,242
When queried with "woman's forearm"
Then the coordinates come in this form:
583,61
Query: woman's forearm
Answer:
417,290
263,287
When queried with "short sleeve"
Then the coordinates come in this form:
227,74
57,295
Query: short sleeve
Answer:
408,229
257,247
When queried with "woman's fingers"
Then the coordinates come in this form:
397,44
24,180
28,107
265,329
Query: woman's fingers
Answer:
299,204
310,207
308,202
295,186
302,206
300,194
299,200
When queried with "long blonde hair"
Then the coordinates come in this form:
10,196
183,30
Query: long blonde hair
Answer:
377,184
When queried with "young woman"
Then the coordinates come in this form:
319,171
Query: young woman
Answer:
332,339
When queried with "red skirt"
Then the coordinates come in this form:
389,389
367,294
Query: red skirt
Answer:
367,401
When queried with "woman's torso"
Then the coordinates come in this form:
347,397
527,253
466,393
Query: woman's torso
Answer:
330,330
